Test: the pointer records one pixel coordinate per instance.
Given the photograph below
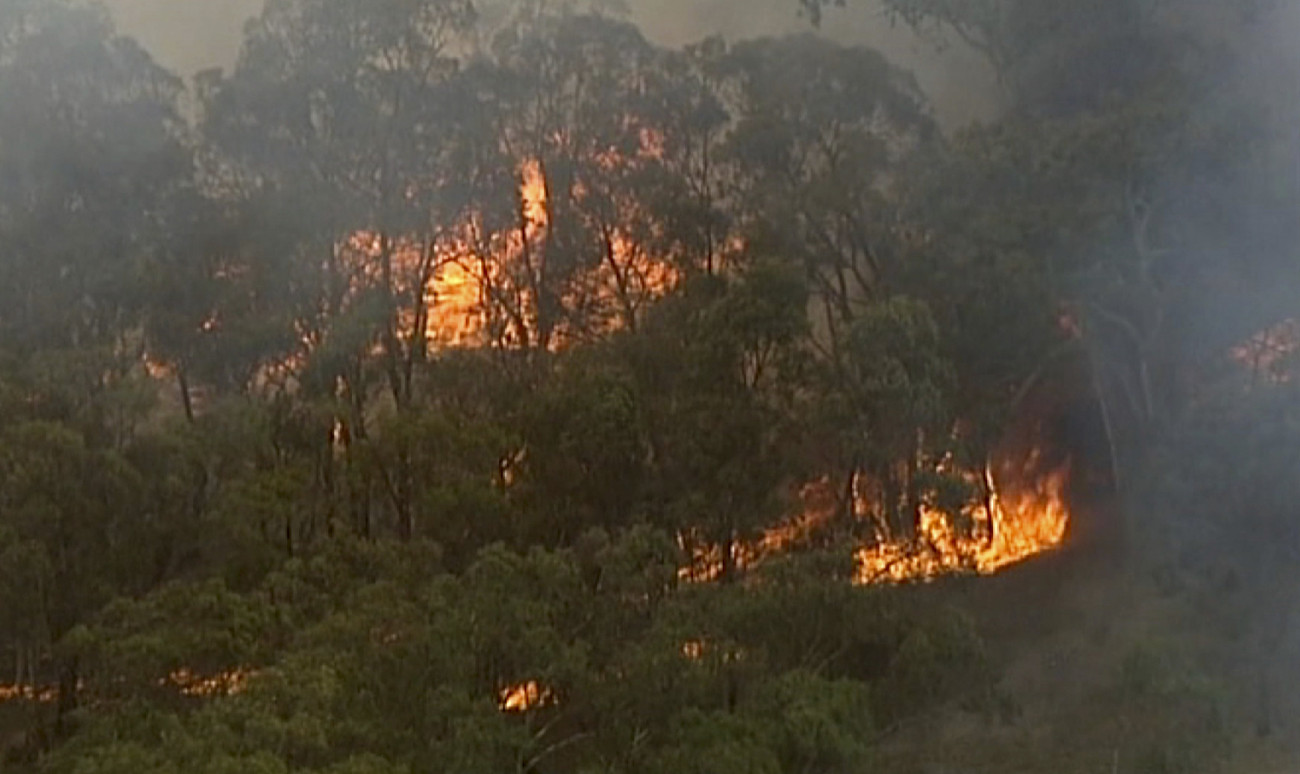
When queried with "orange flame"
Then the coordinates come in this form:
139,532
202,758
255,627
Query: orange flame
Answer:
1009,530
532,195
478,270
525,696
1020,521
42,694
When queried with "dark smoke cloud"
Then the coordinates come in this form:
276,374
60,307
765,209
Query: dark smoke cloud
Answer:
191,35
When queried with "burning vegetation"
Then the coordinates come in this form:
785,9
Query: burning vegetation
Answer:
1030,519
492,388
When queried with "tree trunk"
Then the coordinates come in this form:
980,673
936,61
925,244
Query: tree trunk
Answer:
728,557
989,489
403,495
69,677
848,504
187,397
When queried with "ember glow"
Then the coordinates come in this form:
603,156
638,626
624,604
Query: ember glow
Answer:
44,694
202,686
1270,354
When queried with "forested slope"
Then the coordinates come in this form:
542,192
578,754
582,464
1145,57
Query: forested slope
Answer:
482,388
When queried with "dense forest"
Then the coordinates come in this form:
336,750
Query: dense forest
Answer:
479,387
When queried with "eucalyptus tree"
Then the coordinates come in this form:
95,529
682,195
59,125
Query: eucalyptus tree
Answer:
819,134
720,370
92,159
371,658
93,165
1060,57
343,120
579,106
821,139
1132,212
347,111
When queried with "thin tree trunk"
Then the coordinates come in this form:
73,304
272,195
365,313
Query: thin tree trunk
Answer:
728,559
1108,424
69,677
187,398
989,487
405,512
848,504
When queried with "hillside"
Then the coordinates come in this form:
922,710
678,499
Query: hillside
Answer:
481,387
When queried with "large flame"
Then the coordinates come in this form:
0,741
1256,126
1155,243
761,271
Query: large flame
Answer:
484,278
1026,516
1010,528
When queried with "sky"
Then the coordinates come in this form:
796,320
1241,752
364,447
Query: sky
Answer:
186,36
192,35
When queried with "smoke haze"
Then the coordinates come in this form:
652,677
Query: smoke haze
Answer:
958,82
187,36
564,402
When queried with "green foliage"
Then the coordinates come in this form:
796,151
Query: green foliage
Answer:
405,672
1174,711
259,512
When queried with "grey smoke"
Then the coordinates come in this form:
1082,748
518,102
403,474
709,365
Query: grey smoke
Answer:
187,36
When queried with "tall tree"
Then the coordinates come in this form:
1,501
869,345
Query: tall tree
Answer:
348,110
91,160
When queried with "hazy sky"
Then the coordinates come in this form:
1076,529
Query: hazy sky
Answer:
957,80
186,35
191,35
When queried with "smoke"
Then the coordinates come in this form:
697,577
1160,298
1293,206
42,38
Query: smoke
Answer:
1273,66
187,36
959,83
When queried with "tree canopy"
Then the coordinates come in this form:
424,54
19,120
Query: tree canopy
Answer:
485,387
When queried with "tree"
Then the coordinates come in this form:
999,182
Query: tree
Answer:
350,106
574,243
1058,58
74,507
92,154
820,131
92,159
717,371
368,657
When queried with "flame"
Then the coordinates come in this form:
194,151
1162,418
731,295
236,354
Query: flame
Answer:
481,273
42,694
455,296
1027,517
533,196
200,686
476,285
524,697
1009,529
